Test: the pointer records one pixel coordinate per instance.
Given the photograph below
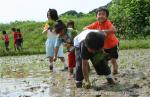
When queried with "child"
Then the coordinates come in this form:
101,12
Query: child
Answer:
89,45
71,52
51,39
6,40
111,42
15,37
19,39
61,31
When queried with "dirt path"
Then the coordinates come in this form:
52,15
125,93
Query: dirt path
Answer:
28,76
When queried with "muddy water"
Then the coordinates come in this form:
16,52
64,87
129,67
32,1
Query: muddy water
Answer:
28,76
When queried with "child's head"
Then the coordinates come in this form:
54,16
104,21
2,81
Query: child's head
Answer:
102,14
94,41
13,29
70,24
52,14
4,32
60,28
18,30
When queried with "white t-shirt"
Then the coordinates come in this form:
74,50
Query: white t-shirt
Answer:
80,37
51,34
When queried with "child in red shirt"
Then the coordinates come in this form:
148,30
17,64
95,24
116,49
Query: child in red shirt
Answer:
111,42
6,40
15,37
19,39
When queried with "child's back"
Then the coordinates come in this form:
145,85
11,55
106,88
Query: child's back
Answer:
5,38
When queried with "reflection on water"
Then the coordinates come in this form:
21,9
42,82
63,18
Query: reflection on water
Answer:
31,78
55,86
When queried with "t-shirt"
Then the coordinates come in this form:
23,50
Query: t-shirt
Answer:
49,28
5,38
62,39
71,34
19,35
15,35
67,38
111,40
94,57
80,37
85,54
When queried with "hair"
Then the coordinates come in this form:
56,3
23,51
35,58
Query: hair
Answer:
13,29
103,9
94,40
71,22
18,30
59,26
53,14
4,32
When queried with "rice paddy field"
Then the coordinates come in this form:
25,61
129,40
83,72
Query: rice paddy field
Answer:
29,76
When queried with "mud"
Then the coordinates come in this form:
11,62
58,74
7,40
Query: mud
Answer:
29,76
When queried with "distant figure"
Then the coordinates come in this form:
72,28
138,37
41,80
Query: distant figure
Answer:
51,39
14,33
19,40
6,40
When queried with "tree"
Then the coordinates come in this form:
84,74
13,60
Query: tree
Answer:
131,16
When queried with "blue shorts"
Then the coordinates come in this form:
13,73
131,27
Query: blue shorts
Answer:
50,45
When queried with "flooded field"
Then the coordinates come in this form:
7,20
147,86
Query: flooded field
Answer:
29,76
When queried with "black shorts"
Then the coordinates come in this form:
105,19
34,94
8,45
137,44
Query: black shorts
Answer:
113,52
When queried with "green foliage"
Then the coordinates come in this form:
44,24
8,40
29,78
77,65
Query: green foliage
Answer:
131,17
73,13
80,22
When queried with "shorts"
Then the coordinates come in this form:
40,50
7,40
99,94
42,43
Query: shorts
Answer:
18,42
71,59
50,46
6,44
113,52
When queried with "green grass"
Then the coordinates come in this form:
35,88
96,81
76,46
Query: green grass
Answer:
135,44
34,48
34,40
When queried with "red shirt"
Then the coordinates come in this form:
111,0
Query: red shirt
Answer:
5,38
19,36
110,40
15,36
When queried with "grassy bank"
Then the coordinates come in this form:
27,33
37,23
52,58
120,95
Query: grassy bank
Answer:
135,44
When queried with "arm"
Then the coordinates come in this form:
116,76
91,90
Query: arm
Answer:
45,28
111,29
55,53
44,31
57,45
85,69
91,26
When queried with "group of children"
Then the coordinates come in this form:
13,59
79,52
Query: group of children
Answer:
17,37
97,43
